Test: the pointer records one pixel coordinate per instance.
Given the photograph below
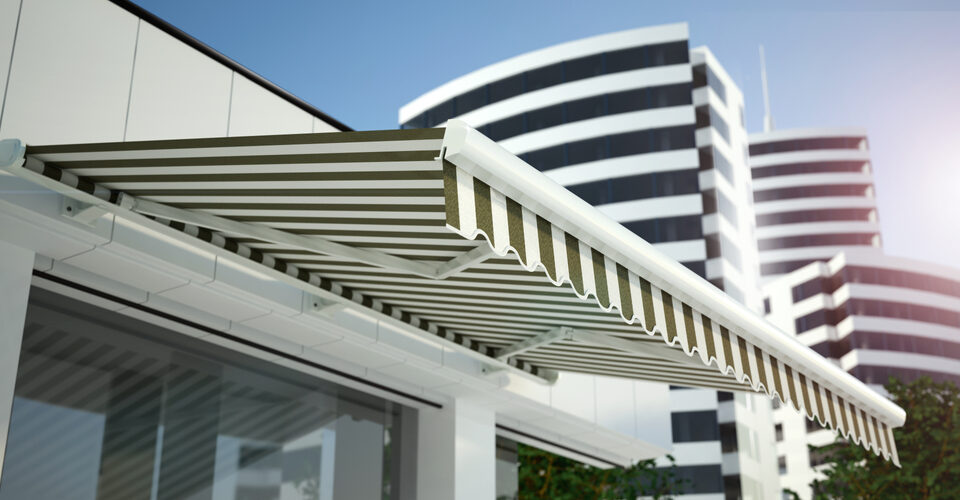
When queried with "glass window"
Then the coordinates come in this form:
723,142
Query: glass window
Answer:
107,406
634,187
508,481
594,193
806,144
679,94
472,100
811,192
783,267
677,183
506,128
720,124
782,463
727,209
586,150
699,76
686,227
714,82
626,101
584,67
700,478
810,168
440,113
698,267
506,88
689,426
544,77
584,109
816,240
728,437
630,143
669,53
546,159
625,59
419,121
550,116
832,214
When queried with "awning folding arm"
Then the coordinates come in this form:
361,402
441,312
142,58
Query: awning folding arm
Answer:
561,333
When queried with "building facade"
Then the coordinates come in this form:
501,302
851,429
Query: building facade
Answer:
877,316
813,196
652,133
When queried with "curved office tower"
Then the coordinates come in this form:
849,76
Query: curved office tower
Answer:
633,122
652,133
813,196
877,316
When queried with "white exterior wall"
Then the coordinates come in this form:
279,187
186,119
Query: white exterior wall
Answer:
772,232
89,71
784,311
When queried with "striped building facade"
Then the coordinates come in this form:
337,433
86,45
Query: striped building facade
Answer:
876,316
813,196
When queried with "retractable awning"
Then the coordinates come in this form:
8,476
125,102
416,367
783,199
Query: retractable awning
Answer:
450,233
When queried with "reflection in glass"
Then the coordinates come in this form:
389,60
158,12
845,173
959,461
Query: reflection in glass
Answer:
108,407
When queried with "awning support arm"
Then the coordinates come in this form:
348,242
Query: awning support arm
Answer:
264,233
464,261
555,335
650,349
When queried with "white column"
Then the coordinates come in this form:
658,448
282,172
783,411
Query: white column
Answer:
16,266
456,448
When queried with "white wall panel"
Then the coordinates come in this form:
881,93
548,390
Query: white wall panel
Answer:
177,92
9,12
255,110
70,76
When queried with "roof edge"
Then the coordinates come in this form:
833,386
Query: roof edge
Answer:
212,53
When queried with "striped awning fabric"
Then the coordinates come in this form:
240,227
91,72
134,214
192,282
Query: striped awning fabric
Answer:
400,223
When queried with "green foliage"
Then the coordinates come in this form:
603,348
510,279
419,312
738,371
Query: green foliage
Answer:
545,475
927,445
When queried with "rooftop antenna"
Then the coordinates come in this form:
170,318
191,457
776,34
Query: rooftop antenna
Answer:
767,117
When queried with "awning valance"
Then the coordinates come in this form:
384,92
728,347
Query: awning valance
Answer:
446,231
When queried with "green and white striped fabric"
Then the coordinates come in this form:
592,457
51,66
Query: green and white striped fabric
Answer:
393,192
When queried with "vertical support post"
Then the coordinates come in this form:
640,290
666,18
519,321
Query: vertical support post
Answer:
456,448
16,268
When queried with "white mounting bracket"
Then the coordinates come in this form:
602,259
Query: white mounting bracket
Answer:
314,304
84,213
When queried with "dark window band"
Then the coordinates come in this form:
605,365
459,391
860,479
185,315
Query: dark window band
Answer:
824,215
587,108
637,187
805,145
612,146
816,167
811,192
876,276
877,308
816,240
665,229
882,341
646,56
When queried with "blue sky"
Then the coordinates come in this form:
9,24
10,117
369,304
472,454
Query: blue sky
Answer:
890,67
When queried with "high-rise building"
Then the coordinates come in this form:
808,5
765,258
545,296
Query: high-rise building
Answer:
877,316
652,133
813,196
